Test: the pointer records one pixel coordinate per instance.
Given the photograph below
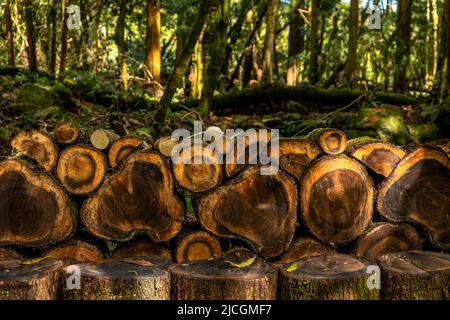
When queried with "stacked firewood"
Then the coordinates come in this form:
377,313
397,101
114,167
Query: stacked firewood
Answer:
312,230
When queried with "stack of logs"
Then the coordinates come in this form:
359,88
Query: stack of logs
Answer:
113,211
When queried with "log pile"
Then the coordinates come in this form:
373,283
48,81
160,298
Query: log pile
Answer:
115,210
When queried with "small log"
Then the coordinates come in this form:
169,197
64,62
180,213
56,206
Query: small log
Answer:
122,148
418,191
336,199
302,248
34,210
138,197
415,275
81,169
37,146
75,251
7,254
29,279
197,245
331,141
220,279
66,133
381,157
102,139
197,169
295,155
384,238
140,248
265,220
165,145
326,277
118,279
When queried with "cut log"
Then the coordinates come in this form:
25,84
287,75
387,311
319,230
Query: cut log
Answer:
197,245
219,279
415,275
384,238
336,199
81,169
29,280
265,220
102,139
66,133
238,252
140,248
418,191
138,197
75,251
7,254
117,279
381,157
165,145
197,169
295,155
37,146
302,248
122,148
34,210
326,277
331,141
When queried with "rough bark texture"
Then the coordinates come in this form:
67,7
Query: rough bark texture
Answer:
64,34
9,33
141,248
122,148
415,275
197,245
219,279
31,41
329,277
265,220
66,133
269,42
296,42
295,155
74,251
418,191
331,141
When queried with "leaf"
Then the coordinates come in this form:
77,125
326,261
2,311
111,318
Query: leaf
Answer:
293,267
32,261
244,264
133,271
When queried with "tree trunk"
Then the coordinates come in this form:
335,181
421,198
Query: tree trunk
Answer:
197,69
153,45
120,41
447,32
352,61
197,245
31,41
222,279
296,42
53,45
181,64
402,55
417,191
74,251
314,43
268,51
64,35
331,141
94,14
140,248
9,34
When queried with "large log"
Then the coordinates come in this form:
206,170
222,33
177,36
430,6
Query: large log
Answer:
222,279
336,198
197,245
122,148
7,254
34,210
295,155
81,169
326,277
117,279
29,280
415,275
384,238
74,251
66,133
418,191
265,220
37,146
138,197
141,248
331,141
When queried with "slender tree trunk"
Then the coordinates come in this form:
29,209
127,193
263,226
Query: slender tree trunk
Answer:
9,34
296,42
64,35
314,42
153,46
53,17
217,56
447,40
435,24
120,41
31,41
94,13
196,74
402,56
352,62
271,29
182,63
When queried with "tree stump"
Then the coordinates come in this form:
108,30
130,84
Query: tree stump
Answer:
117,279
102,139
384,238
197,245
66,133
295,155
37,146
7,254
140,248
331,141
122,148
138,197
327,277
29,280
34,210
81,169
74,251
418,191
336,199
415,275
220,279
265,220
